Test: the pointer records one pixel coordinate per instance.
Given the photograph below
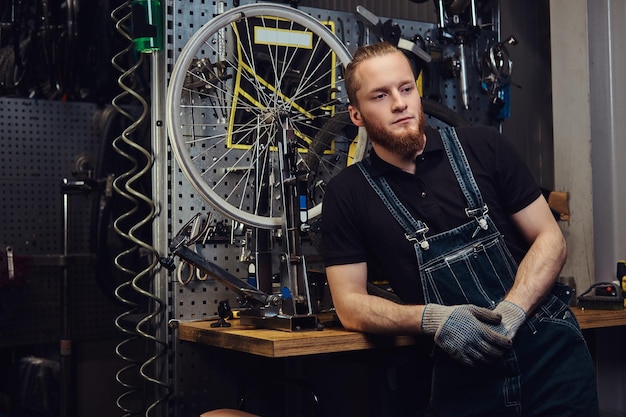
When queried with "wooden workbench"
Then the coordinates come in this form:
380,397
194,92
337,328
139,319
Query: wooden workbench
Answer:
595,319
277,343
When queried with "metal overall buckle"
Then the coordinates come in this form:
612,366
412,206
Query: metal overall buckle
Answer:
479,215
413,237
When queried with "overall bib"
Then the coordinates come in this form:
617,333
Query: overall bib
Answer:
548,372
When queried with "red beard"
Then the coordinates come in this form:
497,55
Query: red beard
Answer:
405,145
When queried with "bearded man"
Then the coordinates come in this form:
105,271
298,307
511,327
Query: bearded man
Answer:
455,222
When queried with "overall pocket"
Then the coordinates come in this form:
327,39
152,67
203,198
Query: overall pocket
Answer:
480,273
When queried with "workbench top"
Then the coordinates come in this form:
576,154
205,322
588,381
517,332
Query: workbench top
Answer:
278,343
595,319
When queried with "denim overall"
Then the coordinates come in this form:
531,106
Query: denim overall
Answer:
548,372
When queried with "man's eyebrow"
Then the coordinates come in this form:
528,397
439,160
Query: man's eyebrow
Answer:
387,87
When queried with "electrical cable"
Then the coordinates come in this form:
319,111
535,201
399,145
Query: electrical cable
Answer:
141,319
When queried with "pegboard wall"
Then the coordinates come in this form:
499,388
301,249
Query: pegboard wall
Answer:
43,143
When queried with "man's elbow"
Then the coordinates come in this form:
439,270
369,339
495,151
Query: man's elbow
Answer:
348,320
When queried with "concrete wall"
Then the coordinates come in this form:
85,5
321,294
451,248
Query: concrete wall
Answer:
572,132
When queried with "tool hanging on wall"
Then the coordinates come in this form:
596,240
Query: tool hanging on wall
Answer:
460,27
14,269
497,67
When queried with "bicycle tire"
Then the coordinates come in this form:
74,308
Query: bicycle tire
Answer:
216,152
443,114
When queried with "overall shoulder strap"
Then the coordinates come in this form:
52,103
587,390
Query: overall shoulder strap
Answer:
463,172
415,230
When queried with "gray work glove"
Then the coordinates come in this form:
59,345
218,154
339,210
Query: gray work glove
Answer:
513,316
466,332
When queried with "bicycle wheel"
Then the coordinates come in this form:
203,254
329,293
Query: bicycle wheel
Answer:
239,82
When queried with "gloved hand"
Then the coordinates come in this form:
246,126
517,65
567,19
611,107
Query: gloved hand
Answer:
466,332
513,316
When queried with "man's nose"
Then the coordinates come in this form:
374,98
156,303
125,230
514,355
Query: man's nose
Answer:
398,101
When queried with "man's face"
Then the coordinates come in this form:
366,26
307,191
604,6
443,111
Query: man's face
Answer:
389,105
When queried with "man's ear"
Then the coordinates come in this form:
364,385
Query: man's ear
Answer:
355,116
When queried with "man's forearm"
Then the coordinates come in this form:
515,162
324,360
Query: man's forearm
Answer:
538,271
371,314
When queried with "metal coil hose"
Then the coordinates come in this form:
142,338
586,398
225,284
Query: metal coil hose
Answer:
143,317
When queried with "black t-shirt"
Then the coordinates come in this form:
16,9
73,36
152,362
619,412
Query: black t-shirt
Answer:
357,227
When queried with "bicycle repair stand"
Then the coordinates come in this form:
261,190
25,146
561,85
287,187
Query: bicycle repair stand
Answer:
291,309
